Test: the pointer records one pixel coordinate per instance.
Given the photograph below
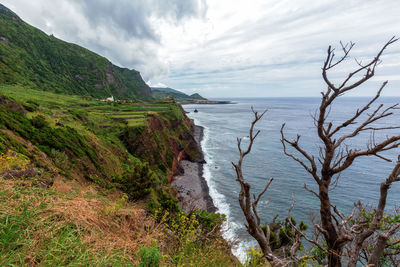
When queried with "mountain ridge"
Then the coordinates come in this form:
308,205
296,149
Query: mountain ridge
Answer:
30,57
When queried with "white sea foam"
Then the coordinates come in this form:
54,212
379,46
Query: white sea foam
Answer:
230,226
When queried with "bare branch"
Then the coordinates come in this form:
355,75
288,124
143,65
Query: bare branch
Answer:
371,119
294,144
359,112
255,202
388,144
314,242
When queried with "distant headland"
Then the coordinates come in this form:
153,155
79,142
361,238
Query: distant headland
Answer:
182,98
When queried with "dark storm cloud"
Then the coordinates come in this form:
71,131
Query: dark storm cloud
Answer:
132,17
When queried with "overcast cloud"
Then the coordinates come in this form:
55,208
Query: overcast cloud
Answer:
226,47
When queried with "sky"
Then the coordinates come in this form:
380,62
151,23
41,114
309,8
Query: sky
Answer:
228,48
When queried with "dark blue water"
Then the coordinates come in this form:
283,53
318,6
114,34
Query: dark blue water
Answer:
224,123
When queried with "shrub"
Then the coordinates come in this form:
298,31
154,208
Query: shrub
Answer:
30,105
209,220
13,160
60,159
282,233
136,182
39,121
255,258
149,256
167,201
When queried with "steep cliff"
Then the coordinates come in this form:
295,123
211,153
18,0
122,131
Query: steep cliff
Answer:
165,142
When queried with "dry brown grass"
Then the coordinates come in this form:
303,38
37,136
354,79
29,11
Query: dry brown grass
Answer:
128,228
106,226
103,226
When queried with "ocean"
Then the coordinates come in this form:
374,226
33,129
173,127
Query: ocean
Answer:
224,123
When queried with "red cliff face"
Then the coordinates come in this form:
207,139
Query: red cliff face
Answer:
164,143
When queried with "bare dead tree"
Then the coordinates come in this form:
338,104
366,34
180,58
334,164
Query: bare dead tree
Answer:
249,205
335,156
249,202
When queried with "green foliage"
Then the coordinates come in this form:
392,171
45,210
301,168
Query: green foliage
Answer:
136,182
282,233
39,121
319,254
32,58
387,222
191,242
114,208
161,200
121,202
99,181
149,256
209,220
255,258
167,201
12,230
61,160
13,161
7,142
79,114
64,247
38,131
30,105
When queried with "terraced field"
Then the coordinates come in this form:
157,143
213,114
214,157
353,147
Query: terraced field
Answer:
132,114
104,114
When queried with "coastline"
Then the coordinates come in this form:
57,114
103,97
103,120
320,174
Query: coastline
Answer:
192,188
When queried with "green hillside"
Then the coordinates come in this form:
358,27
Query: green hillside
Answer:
31,58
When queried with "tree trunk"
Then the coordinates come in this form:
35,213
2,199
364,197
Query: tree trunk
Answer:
378,251
334,258
330,234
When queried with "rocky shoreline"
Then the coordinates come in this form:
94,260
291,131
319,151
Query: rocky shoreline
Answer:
192,188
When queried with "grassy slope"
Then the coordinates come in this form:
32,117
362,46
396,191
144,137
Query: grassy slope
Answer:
30,57
53,147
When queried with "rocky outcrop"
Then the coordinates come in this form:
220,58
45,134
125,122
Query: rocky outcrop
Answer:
4,39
